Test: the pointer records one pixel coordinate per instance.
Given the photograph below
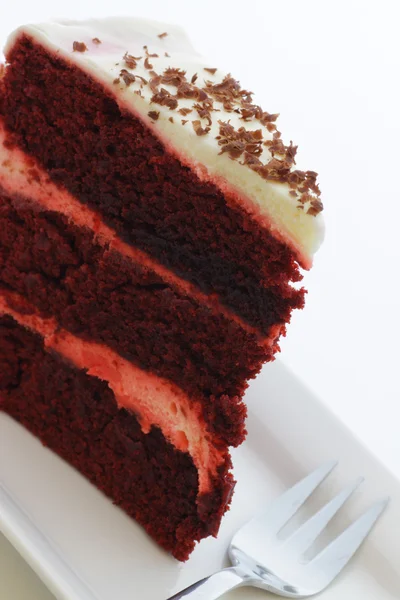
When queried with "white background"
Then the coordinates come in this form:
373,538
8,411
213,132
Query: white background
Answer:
332,69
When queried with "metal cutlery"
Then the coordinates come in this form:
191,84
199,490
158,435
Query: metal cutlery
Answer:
261,558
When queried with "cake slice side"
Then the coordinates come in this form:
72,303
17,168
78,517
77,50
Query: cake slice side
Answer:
77,416
153,227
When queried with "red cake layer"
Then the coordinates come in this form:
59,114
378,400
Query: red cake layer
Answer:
76,415
146,194
100,295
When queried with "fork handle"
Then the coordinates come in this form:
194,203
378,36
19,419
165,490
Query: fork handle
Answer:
212,587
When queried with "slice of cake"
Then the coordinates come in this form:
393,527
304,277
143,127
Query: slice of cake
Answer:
152,227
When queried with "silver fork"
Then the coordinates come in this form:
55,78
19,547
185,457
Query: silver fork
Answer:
263,560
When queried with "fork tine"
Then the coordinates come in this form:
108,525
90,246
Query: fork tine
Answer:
284,507
330,561
307,533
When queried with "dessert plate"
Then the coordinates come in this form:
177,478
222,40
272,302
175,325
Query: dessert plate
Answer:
84,548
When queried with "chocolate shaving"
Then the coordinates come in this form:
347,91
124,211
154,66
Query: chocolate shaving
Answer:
185,111
266,117
167,55
131,61
186,90
251,160
164,98
116,80
96,41
315,208
153,114
148,53
162,35
184,121
147,64
236,142
212,71
79,47
274,170
199,129
204,109
173,76
194,78
171,119
130,78
127,77
228,91
154,83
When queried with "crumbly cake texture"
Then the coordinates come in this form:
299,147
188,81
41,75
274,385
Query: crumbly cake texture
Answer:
152,225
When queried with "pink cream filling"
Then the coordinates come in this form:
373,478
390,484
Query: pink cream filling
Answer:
20,175
153,400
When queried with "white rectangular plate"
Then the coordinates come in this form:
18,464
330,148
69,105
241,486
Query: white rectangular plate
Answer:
84,548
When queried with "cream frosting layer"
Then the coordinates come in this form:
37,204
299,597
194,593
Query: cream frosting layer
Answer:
270,201
20,175
153,400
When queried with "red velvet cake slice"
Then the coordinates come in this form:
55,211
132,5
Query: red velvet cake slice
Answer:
152,228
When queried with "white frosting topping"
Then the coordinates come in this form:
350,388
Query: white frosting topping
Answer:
104,61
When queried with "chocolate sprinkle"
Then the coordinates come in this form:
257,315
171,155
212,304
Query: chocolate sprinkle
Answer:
153,114
96,41
79,47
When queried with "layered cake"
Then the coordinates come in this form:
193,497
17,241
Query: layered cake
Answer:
153,232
